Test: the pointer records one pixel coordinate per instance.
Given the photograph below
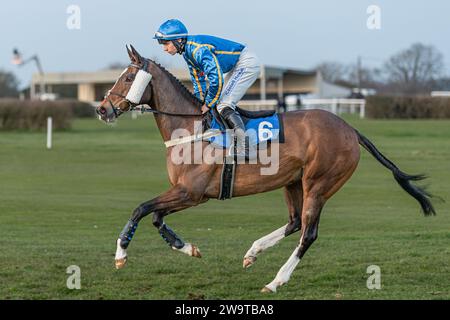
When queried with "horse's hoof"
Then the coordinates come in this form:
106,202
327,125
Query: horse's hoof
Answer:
248,261
120,263
196,252
266,290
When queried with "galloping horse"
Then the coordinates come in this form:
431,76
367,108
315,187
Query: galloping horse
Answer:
319,155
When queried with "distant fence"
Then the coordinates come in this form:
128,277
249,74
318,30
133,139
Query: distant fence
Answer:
256,105
336,106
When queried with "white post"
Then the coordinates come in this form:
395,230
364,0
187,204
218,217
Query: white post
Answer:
49,132
352,107
334,106
362,110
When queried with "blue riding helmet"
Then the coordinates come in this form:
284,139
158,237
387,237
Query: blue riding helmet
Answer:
171,30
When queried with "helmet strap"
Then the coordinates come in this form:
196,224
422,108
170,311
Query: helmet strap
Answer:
179,45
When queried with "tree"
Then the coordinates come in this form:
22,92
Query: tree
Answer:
348,75
333,71
369,77
9,85
412,71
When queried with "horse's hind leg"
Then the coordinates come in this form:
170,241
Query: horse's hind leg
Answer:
310,224
319,184
294,200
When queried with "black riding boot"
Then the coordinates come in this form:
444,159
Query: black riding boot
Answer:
234,120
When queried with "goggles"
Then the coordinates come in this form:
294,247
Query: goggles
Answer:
160,37
161,41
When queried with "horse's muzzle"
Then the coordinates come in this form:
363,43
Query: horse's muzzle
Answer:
104,115
101,111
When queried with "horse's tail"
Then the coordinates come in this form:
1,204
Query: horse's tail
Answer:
403,179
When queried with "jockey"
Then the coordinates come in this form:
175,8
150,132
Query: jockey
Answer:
209,57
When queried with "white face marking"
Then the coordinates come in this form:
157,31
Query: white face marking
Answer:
123,72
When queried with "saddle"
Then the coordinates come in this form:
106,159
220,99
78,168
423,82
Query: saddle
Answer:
245,115
255,114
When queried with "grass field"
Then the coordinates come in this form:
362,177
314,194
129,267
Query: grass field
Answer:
66,206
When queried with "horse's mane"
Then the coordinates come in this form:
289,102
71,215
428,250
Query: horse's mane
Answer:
185,91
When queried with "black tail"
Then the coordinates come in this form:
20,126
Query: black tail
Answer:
403,179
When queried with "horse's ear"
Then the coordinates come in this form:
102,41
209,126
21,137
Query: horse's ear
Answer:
135,54
135,57
130,54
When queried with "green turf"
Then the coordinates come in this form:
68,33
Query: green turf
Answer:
66,206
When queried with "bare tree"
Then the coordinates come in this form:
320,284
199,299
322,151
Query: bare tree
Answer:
349,75
333,71
413,70
367,76
9,85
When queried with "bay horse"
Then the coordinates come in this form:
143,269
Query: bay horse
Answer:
320,153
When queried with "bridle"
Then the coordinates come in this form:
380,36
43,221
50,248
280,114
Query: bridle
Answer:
118,111
131,105
134,106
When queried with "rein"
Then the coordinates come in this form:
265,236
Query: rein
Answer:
143,109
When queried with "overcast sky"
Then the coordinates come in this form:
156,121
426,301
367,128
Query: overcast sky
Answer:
298,34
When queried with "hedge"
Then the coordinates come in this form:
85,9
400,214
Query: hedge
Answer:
388,107
32,115
79,109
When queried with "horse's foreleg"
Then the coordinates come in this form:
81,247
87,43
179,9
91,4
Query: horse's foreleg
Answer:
294,200
175,199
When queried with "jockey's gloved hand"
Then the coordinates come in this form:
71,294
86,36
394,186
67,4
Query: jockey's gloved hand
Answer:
206,120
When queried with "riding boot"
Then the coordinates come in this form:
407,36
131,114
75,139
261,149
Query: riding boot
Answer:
234,120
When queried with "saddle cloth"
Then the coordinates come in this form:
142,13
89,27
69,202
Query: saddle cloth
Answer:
259,129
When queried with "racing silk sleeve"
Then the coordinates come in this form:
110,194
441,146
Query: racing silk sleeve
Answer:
211,68
198,82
